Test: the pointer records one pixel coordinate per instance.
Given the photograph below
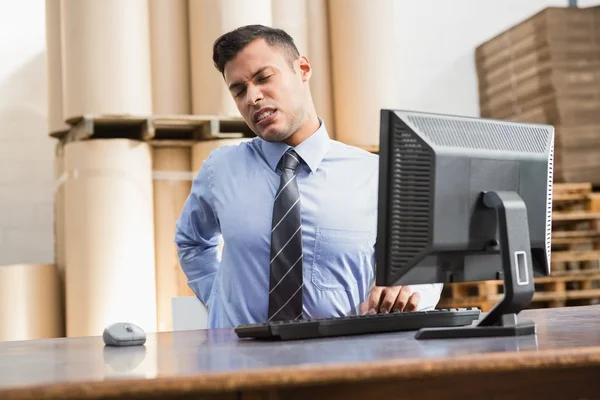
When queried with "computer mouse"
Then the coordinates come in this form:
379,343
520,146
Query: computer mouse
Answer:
124,334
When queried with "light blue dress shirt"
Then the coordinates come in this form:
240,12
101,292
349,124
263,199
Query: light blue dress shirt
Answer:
232,199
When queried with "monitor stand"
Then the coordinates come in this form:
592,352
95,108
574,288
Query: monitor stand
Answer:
518,276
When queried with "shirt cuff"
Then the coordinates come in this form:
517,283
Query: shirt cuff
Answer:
430,295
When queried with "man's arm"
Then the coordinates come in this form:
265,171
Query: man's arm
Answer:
197,235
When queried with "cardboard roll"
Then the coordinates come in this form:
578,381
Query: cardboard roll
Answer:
109,235
319,55
106,57
54,68
170,57
172,181
291,16
30,302
365,28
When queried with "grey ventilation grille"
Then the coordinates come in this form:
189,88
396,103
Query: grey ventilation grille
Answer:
410,203
549,202
477,134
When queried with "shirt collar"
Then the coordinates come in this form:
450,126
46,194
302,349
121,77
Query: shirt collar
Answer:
311,150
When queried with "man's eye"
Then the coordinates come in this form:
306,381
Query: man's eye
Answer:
238,94
264,78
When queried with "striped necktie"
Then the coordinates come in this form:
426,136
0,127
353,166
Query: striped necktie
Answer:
285,295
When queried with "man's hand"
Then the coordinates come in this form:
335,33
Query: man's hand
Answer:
390,299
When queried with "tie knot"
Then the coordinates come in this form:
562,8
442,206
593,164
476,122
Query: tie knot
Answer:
290,160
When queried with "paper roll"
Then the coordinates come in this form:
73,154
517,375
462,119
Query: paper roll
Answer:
172,184
106,57
364,85
54,68
291,16
320,59
30,302
209,19
59,214
110,267
170,57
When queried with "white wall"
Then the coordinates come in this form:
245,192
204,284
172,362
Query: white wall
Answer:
26,153
437,73
437,40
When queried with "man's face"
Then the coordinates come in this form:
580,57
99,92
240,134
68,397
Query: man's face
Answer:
268,92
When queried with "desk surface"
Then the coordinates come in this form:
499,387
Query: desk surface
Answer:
217,362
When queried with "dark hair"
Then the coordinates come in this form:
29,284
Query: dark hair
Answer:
228,45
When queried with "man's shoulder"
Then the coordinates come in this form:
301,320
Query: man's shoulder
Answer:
231,151
353,154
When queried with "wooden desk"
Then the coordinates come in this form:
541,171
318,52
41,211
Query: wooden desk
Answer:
561,361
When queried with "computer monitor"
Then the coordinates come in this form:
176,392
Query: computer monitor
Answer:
465,199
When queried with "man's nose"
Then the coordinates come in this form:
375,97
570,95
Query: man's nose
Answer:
253,95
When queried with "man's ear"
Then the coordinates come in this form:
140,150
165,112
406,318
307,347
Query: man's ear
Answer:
305,68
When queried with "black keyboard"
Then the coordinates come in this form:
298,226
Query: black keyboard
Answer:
358,324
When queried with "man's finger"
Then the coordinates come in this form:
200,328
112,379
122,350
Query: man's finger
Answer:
402,299
364,307
413,302
374,299
391,293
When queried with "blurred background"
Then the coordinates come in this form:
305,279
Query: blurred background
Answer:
109,107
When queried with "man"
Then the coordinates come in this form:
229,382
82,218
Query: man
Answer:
297,211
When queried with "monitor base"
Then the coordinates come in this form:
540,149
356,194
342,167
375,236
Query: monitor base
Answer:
509,327
517,273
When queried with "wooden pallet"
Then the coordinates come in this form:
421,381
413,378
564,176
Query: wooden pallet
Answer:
575,227
558,290
569,192
158,129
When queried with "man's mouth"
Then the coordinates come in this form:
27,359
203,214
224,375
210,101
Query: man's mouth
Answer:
263,114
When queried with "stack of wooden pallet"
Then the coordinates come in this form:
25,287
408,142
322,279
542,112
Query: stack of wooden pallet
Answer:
575,227
575,258
547,70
